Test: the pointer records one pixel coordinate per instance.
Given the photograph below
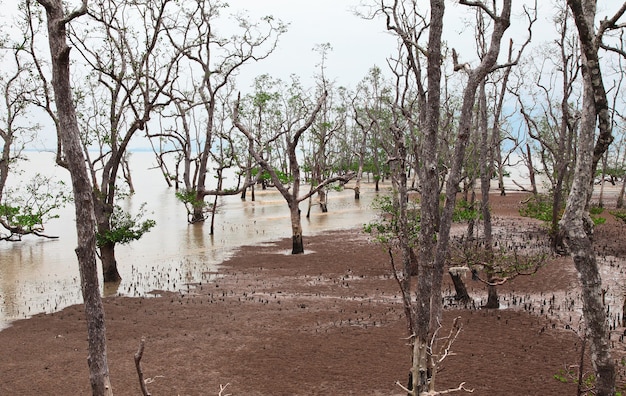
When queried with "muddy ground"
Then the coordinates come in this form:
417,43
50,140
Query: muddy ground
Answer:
326,322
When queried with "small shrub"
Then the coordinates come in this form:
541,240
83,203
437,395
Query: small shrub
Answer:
538,207
620,214
465,211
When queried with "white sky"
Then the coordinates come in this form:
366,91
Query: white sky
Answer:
357,44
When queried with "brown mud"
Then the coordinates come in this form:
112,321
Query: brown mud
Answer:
326,322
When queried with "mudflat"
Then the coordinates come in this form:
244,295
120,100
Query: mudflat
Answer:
326,322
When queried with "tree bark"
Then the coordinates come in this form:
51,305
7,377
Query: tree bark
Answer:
576,223
69,137
459,287
109,263
297,246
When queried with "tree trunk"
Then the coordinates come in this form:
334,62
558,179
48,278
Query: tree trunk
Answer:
103,214
486,170
323,197
620,198
109,264
296,229
576,223
531,170
69,136
459,286
197,215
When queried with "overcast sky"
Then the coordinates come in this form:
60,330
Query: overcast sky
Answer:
358,44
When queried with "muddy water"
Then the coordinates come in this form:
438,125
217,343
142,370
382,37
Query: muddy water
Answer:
41,275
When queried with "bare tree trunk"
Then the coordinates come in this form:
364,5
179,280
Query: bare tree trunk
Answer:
459,286
69,136
531,170
297,246
620,198
128,177
602,176
109,263
576,223
429,204
486,169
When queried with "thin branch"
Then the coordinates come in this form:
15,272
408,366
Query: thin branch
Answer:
138,356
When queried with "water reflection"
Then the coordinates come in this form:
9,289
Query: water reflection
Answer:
42,275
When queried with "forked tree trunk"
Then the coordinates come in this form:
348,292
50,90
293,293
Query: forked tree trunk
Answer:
69,136
197,215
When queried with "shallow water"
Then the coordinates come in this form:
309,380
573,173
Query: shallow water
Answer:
41,275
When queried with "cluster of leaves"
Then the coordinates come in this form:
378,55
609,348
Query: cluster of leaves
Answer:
501,262
570,375
538,207
620,214
595,213
125,228
189,197
25,209
265,176
385,228
465,211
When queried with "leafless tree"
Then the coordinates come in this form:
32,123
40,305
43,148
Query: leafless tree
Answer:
576,223
404,20
127,66
554,125
212,59
72,156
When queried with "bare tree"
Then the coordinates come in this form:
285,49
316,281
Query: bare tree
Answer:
212,62
69,138
129,68
298,119
576,223
402,19
25,208
555,125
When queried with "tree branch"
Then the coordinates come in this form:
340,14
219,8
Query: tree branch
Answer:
138,356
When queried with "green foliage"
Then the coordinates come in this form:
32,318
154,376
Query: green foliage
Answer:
265,176
620,214
538,207
125,228
26,209
386,227
189,197
465,211
595,213
597,220
595,210
571,376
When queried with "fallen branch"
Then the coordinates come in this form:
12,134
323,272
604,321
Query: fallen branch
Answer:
222,389
459,388
138,356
